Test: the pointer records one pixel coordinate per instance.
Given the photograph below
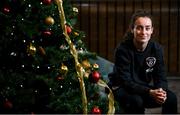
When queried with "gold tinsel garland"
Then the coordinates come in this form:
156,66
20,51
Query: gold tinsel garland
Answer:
79,68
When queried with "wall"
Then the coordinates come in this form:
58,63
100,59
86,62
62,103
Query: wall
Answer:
106,21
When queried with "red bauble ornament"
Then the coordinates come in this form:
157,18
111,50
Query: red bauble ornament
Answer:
96,110
47,2
68,29
94,77
8,104
47,33
6,9
59,78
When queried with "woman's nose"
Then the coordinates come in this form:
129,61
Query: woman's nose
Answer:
143,30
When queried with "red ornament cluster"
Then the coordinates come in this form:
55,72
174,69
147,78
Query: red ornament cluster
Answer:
8,104
47,2
68,29
94,77
46,33
96,110
6,10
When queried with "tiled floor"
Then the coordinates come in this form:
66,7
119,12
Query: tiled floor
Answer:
153,110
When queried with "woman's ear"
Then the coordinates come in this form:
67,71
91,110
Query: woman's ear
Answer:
131,30
152,29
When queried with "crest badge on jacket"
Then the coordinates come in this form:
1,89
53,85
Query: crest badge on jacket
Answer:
150,61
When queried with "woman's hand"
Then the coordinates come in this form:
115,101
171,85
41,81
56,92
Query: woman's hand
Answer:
159,95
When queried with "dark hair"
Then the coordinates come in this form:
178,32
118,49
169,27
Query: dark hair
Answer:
135,16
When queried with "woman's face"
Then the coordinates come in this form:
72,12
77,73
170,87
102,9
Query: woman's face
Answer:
142,30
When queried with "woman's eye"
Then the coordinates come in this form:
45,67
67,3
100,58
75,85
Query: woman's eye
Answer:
148,28
138,27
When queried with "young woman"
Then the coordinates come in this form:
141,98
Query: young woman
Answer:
139,78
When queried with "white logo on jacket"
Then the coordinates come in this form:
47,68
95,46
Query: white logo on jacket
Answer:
150,61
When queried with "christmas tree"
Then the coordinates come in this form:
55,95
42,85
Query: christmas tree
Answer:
45,65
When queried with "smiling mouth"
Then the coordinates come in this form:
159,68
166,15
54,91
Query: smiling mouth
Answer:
143,37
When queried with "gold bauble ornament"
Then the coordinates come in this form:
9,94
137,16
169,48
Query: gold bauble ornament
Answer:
49,20
86,64
63,70
95,66
87,73
76,33
31,49
42,51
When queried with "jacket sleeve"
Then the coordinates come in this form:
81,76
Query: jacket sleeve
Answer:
159,75
123,69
